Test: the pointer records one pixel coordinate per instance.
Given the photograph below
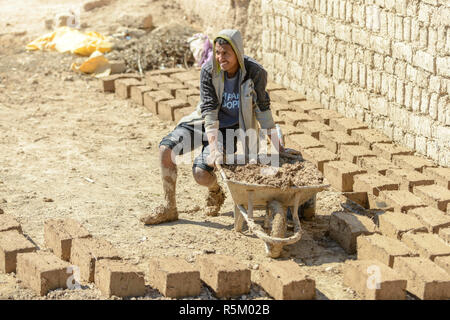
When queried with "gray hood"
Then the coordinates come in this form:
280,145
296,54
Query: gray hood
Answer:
234,37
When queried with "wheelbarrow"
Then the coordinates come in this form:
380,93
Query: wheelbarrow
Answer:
275,201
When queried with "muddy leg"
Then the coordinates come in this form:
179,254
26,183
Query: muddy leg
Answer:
167,211
216,196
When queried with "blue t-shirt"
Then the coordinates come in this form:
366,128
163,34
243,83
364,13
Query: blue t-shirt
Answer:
229,111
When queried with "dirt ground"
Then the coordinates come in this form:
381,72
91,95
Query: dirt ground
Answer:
69,150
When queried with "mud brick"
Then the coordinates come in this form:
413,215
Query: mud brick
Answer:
444,233
319,156
395,224
174,277
443,262
440,175
288,129
11,243
359,198
225,275
341,174
117,66
368,137
333,140
390,286
59,233
293,117
157,81
302,141
123,87
184,94
172,88
306,106
346,227
425,279
382,248
164,72
313,128
193,84
118,278
153,98
401,200
353,153
432,218
108,83
178,114
137,93
376,165
186,76
408,178
167,108
8,223
388,150
434,195
427,245
412,162
42,271
346,125
286,96
373,183
194,100
285,280
86,252
278,107
324,115
272,86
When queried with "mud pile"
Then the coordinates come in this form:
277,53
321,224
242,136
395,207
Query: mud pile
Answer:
164,47
290,173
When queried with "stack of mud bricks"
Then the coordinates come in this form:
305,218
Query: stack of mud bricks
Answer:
170,93
384,63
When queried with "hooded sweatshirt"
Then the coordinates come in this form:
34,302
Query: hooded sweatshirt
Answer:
254,100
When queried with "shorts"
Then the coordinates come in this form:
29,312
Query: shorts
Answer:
186,138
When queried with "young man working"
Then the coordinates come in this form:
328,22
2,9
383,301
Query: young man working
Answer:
233,96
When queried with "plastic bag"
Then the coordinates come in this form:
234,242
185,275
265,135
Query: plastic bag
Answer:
66,39
96,64
201,48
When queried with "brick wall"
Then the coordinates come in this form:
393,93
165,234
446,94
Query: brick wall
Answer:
384,62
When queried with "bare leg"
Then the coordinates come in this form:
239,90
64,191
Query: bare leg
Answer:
216,196
168,210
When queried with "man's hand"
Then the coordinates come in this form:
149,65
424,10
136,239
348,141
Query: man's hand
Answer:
214,157
215,148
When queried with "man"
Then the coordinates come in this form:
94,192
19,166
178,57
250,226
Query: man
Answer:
233,96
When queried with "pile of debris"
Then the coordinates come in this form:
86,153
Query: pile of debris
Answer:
163,47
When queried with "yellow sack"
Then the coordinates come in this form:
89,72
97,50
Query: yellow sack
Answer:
66,39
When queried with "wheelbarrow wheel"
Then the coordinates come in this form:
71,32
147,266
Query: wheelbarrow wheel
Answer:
279,227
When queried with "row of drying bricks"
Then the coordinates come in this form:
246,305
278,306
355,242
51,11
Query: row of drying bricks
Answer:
73,256
356,160
401,230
